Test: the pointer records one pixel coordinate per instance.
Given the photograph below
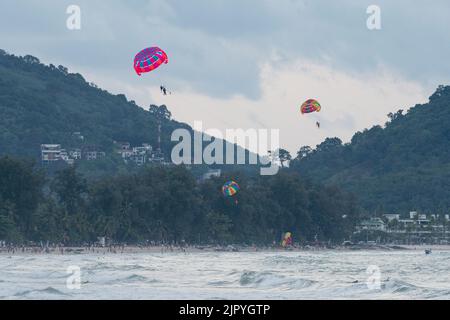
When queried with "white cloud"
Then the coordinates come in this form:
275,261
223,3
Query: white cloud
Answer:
250,63
350,102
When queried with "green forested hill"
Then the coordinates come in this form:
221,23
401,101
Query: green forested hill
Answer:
42,104
402,166
46,104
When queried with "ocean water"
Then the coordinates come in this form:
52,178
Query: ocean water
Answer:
217,275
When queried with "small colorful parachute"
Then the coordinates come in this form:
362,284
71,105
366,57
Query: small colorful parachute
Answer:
230,189
310,106
287,240
149,59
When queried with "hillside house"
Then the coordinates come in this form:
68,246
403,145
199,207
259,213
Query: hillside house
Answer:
50,153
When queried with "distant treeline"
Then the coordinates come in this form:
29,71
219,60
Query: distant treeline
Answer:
166,204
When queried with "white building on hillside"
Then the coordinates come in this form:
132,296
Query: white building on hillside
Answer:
374,224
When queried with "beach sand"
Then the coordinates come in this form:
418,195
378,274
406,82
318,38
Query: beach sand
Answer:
198,249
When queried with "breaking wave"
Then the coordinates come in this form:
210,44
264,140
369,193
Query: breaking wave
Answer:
271,280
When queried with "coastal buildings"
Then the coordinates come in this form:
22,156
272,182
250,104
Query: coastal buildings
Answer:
90,153
52,153
81,151
412,228
66,157
415,220
391,217
75,154
373,224
139,155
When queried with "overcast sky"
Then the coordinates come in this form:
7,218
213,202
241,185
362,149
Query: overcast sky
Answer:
249,63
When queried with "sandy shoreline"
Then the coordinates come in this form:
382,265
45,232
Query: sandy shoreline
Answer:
205,249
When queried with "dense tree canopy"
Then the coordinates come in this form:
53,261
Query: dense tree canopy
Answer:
167,204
